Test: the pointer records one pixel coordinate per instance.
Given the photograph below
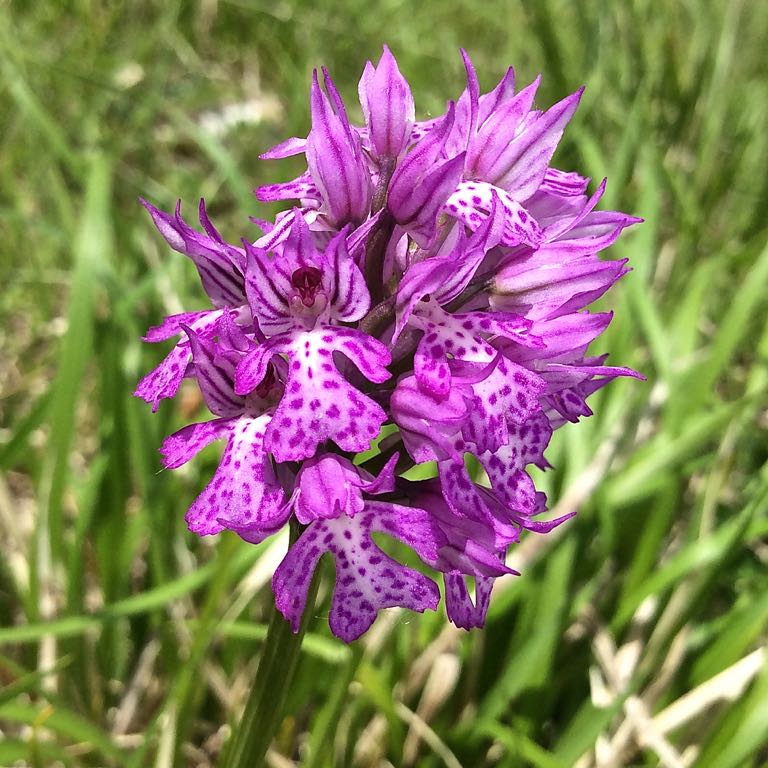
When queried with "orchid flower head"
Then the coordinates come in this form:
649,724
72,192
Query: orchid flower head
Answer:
426,301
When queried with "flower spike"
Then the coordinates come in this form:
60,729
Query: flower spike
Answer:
426,299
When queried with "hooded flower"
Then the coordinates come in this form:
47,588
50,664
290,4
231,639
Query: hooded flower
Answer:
221,268
387,103
434,278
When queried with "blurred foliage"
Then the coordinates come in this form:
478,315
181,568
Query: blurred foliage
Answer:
125,641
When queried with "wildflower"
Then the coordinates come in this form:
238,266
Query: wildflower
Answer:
433,276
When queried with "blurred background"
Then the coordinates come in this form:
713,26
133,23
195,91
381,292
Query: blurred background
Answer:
636,635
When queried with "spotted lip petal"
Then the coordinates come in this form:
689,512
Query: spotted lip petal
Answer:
301,188
244,494
471,548
505,392
472,201
319,404
367,579
164,380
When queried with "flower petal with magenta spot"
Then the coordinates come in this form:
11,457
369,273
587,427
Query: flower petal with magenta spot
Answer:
367,579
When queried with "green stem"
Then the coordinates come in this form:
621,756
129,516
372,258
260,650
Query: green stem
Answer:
264,708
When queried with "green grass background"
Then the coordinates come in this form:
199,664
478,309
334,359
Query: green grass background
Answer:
125,641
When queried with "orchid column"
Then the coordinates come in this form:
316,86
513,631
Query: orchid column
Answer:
433,276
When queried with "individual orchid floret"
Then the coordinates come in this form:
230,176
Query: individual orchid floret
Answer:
244,494
507,391
221,267
509,145
367,579
388,108
469,549
335,158
421,185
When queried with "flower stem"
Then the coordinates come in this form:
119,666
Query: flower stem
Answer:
378,239
264,709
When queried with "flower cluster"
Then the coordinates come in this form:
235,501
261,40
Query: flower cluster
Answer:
432,279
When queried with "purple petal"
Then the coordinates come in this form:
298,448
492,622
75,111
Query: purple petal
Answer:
273,239
358,238
244,493
497,132
335,162
458,604
493,100
429,425
469,545
417,164
214,378
418,214
566,184
328,486
384,482
219,264
181,446
165,380
319,404
543,286
367,579
387,103
287,148
521,168
349,297
467,106
472,202
565,334
172,325
298,189
268,287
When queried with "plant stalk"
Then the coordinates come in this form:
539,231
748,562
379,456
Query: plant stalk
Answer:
264,709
